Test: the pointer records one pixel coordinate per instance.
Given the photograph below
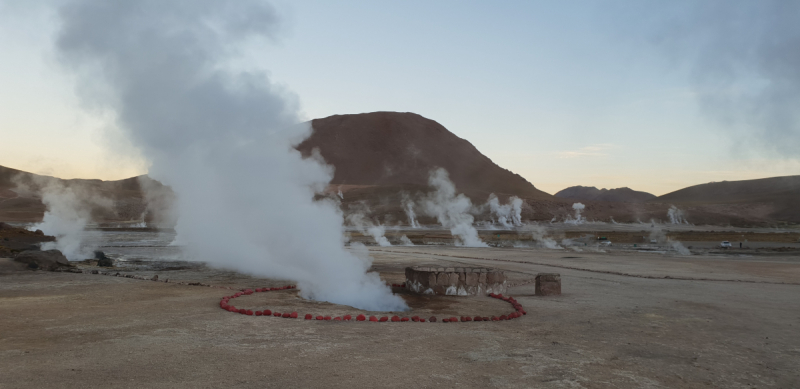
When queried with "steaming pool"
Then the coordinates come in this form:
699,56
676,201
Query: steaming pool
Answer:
128,247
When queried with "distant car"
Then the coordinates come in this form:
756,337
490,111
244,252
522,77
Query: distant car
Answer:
653,241
605,243
725,245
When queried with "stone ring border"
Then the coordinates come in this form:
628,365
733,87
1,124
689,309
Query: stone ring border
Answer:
519,311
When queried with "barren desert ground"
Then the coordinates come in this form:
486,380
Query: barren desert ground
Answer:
625,319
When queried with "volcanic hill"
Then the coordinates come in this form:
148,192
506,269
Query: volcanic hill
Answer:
591,193
400,149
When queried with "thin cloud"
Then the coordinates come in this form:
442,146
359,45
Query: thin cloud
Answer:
593,151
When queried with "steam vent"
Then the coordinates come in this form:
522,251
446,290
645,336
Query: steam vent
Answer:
454,281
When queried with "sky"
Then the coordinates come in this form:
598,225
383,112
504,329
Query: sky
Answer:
655,96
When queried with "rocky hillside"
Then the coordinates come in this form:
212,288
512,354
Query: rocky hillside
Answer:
394,148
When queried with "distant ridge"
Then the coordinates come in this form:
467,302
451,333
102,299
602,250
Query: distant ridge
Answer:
780,196
591,193
20,197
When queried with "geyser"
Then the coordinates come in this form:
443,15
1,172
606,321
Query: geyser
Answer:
221,137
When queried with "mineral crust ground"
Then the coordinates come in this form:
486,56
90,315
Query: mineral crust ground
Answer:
624,320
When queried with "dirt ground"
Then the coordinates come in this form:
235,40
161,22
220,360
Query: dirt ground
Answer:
625,320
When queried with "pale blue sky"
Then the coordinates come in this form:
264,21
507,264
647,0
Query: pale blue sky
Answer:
563,93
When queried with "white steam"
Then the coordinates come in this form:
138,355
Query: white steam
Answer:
66,218
219,137
68,210
508,215
676,216
578,207
408,207
540,238
358,219
451,209
405,241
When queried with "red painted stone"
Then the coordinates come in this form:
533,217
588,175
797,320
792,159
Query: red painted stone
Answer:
320,317
276,314
384,318
308,316
415,318
347,317
421,320
373,318
267,312
453,319
327,317
432,319
337,318
250,312
259,313
395,318
478,318
503,317
293,315
243,311
361,318
494,318
404,319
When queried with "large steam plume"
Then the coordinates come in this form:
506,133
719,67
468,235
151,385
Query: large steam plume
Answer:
745,66
222,138
451,209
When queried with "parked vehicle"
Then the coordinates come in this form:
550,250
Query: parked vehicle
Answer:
725,245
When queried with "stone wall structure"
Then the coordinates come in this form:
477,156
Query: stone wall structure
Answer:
455,281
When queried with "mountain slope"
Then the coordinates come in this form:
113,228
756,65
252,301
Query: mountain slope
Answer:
129,199
394,148
779,196
618,195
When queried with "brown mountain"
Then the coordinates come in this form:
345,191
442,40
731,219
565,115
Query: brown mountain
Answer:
618,195
776,198
106,201
394,148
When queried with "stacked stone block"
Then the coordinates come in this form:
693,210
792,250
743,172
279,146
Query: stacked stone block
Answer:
455,281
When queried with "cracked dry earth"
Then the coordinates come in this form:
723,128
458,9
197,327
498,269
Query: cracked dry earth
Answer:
618,324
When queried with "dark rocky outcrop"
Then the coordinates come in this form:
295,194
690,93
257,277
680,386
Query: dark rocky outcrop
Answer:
102,260
50,260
